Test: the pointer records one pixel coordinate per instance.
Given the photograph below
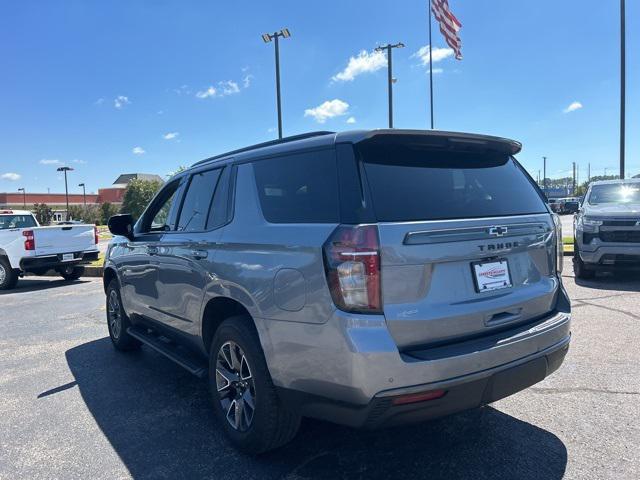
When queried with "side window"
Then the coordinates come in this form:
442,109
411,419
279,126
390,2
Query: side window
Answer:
197,201
218,214
158,217
299,188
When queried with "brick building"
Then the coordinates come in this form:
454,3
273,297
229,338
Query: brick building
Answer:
57,201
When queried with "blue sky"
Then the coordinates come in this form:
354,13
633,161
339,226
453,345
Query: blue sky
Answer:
89,83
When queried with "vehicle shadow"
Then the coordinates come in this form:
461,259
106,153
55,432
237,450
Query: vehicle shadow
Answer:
34,284
158,419
618,281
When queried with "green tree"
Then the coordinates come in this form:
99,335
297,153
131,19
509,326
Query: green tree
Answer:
138,195
43,213
76,212
107,210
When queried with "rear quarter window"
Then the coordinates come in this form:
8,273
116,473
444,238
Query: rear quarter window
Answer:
413,183
298,188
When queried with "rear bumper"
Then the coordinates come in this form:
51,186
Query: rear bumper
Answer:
350,367
47,262
461,394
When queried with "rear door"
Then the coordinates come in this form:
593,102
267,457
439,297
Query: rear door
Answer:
467,242
186,255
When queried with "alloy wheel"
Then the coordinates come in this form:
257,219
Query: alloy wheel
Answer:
235,385
3,274
114,315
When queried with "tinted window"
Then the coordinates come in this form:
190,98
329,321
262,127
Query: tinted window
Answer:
197,201
410,183
299,188
16,221
158,216
219,209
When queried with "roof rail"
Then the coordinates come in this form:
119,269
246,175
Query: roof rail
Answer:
270,143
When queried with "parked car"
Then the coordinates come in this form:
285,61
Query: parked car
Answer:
607,228
369,278
568,205
553,204
26,247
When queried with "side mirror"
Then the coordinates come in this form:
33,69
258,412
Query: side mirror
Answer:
121,225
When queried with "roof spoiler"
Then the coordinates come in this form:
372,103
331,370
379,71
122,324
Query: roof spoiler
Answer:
445,140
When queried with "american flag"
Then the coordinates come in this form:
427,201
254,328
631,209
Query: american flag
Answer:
449,25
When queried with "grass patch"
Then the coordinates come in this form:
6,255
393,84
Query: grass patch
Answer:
98,262
567,240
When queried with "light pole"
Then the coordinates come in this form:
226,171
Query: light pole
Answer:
84,196
544,175
622,87
24,197
268,37
66,189
388,47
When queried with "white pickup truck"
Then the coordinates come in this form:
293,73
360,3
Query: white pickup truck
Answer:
26,247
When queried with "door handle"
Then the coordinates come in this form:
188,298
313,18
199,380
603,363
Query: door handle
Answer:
199,254
152,250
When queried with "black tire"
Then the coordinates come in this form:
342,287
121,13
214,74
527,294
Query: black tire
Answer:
117,320
8,276
579,268
272,424
71,272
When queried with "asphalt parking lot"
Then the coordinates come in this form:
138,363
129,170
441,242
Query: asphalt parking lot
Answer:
72,407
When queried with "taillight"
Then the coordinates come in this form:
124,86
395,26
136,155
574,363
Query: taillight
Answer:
352,264
95,235
559,244
29,240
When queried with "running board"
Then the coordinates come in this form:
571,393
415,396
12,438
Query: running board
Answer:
170,351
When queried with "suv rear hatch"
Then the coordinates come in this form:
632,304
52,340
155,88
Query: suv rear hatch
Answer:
467,243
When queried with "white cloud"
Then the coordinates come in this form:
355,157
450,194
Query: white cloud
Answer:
246,81
351,120
224,88
228,87
13,177
365,62
138,151
209,92
328,109
182,89
80,162
436,70
437,55
170,135
99,101
47,161
120,101
573,107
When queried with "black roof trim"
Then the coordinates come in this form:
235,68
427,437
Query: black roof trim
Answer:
270,143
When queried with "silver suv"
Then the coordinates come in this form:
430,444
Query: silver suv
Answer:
607,228
367,278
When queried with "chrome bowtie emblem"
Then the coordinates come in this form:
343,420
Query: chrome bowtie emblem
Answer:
498,231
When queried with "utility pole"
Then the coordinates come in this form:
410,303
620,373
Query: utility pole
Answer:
388,47
268,37
622,87
589,172
24,198
66,189
544,175
84,196
573,186
538,176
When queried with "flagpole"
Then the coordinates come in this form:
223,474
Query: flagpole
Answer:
622,88
430,68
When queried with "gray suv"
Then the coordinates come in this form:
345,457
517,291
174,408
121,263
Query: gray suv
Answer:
368,278
607,228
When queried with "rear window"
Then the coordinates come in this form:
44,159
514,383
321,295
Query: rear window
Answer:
16,221
299,188
411,183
